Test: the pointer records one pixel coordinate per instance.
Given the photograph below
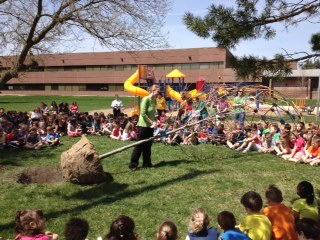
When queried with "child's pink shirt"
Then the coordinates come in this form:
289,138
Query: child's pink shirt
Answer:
300,144
257,139
37,237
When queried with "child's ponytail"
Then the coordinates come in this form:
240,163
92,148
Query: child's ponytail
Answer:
305,190
167,231
23,220
18,225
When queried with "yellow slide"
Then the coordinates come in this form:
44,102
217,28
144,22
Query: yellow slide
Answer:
173,94
137,91
195,93
129,86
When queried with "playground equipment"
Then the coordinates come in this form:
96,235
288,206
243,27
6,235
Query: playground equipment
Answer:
263,104
169,91
129,86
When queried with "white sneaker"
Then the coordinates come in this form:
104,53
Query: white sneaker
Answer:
314,164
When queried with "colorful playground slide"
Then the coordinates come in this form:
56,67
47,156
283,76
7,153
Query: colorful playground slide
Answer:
173,94
129,86
137,91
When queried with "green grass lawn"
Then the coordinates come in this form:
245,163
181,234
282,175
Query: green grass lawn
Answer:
185,178
28,103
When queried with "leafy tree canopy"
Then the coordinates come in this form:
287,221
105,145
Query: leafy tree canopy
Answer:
248,20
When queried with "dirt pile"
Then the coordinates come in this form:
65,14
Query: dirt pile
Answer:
40,175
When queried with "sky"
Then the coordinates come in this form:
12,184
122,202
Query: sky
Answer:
294,40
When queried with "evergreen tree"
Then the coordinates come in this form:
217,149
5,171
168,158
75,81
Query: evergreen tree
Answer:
249,20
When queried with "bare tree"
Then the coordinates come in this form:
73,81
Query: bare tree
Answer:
32,27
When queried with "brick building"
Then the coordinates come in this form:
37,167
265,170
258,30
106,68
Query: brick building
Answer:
105,73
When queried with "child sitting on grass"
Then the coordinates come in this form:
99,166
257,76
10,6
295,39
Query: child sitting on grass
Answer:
268,144
167,231
313,153
122,228
73,129
285,146
298,151
191,139
33,140
76,229
227,223
203,136
176,137
280,216
235,138
198,227
308,229
256,225
306,206
252,140
30,225
52,138
116,132
220,137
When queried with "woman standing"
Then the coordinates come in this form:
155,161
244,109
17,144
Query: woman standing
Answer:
239,103
146,123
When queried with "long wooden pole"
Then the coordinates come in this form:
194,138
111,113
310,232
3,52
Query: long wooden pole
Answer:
150,139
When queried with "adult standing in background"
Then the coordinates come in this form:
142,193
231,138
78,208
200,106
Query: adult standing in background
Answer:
116,106
161,105
239,103
146,123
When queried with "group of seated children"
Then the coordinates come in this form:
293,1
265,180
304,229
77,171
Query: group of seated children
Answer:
300,145
28,138
46,127
276,221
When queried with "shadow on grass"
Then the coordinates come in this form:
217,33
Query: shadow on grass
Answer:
163,164
100,194
173,163
3,102
20,157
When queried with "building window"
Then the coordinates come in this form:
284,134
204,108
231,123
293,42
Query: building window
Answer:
177,66
168,67
159,67
127,67
97,87
117,87
54,87
204,65
185,66
26,87
195,66
216,65
118,68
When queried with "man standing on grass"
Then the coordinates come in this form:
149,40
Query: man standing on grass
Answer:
116,106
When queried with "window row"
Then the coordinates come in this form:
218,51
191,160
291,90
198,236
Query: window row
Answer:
75,87
181,66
